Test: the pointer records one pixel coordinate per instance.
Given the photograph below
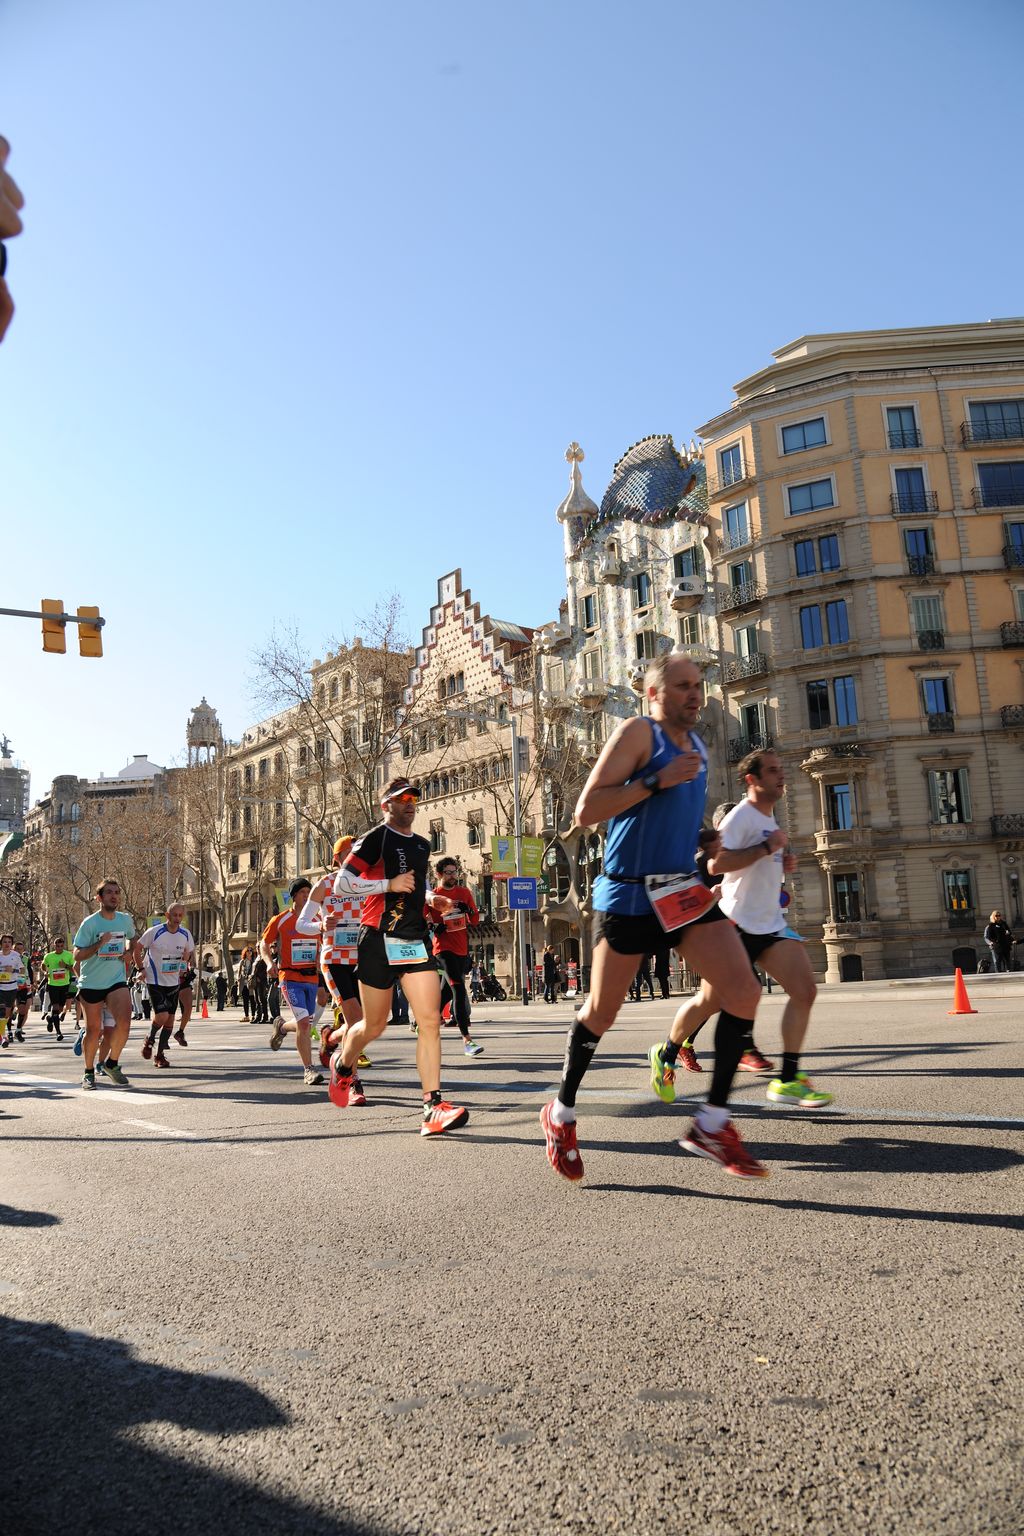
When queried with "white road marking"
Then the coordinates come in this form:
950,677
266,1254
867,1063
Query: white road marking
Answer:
163,1130
76,1091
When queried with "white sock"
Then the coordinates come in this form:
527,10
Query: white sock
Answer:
561,1114
711,1118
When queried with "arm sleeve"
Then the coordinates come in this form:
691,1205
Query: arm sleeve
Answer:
350,880
308,921
348,883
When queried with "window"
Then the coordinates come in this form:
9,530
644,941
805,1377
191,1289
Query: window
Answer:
279,762
688,562
366,733
810,628
278,860
828,552
846,896
74,810
234,823
901,427
755,726
247,775
811,496
1018,601
804,434
745,641
839,807
475,830
590,617
252,858
247,817
804,555
911,490
279,813
593,663
76,834
734,526
937,695
996,420
928,622
264,768
818,716
646,645
919,550
346,684
836,624
957,894
437,836
233,864
406,746
730,464
335,690
949,796
690,630
1001,485
461,729
233,782
642,589
741,574
1014,534
844,692
303,755
556,676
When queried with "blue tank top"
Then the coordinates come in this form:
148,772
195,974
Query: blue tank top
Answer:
656,837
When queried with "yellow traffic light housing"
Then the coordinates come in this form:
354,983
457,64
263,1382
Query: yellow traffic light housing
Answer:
54,638
90,635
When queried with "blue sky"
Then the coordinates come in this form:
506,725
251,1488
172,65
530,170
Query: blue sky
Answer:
312,297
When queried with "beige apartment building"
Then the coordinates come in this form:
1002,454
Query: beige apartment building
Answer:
867,504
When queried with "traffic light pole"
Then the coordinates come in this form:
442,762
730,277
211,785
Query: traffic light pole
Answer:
88,619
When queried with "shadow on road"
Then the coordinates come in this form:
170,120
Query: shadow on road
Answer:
11,1216
74,1399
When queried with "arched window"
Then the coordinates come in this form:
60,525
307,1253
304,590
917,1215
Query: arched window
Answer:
559,873
74,810
334,690
321,696
346,684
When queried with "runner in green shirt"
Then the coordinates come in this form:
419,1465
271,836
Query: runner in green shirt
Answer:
58,965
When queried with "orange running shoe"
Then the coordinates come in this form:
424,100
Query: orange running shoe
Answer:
563,1154
724,1147
339,1088
438,1118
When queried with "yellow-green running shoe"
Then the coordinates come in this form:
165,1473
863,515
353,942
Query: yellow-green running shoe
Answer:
799,1092
663,1077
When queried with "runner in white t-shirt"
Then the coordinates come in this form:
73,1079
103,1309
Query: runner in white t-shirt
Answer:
12,976
169,953
752,861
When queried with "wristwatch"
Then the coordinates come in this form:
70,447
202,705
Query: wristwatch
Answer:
650,781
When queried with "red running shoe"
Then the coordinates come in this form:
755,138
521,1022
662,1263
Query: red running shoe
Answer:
438,1118
147,1050
179,1035
753,1061
339,1089
357,1096
161,1060
687,1059
563,1154
326,1049
446,1015
724,1147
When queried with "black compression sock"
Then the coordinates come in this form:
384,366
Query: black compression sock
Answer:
729,1036
669,1052
790,1066
579,1053
165,1040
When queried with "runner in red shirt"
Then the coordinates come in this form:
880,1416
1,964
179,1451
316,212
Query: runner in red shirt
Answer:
297,967
451,947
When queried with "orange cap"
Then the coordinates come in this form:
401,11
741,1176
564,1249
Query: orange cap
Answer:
341,847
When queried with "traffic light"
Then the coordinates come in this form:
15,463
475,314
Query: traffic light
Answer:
53,629
90,636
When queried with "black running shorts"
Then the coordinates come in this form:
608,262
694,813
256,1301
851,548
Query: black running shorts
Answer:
375,970
164,999
644,934
58,996
755,944
345,978
100,994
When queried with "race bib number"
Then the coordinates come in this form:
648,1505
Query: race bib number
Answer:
303,952
171,968
345,945
404,951
112,948
453,921
6,976
58,977
678,899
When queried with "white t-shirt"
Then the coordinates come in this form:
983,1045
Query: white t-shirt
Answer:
751,896
166,954
12,972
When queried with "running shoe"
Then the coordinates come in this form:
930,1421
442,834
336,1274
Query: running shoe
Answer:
563,1154
312,1078
753,1061
19,1034
161,1060
147,1050
326,1050
77,1047
414,1029
112,1070
800,1092
446,1015
364,1062
438,1118
471,1048
60,1037
277,1037
357,1096
49,1026
89,1078
724,1147
5,1041
663,1077
339,1088
179,1035
687,1059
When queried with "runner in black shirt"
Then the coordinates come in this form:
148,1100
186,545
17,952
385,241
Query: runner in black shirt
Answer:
388,869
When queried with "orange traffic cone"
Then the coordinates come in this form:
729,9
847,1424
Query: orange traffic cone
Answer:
204,1012
961,1002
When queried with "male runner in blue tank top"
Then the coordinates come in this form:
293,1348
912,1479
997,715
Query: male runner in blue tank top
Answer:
649,784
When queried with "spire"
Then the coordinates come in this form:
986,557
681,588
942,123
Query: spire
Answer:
577,503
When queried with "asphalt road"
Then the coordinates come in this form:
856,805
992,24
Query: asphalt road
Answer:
228,1306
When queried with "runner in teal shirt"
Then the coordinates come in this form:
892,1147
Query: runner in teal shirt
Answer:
106,968
104,945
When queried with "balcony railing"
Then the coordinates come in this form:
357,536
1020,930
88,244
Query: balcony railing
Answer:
735,540
741,745
904,437
998,495
1012,716
740,597
1013,556
921,565
913,503
747,666
962,920
725,485
1008,826
1011,633
931,640
941,723
976,432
